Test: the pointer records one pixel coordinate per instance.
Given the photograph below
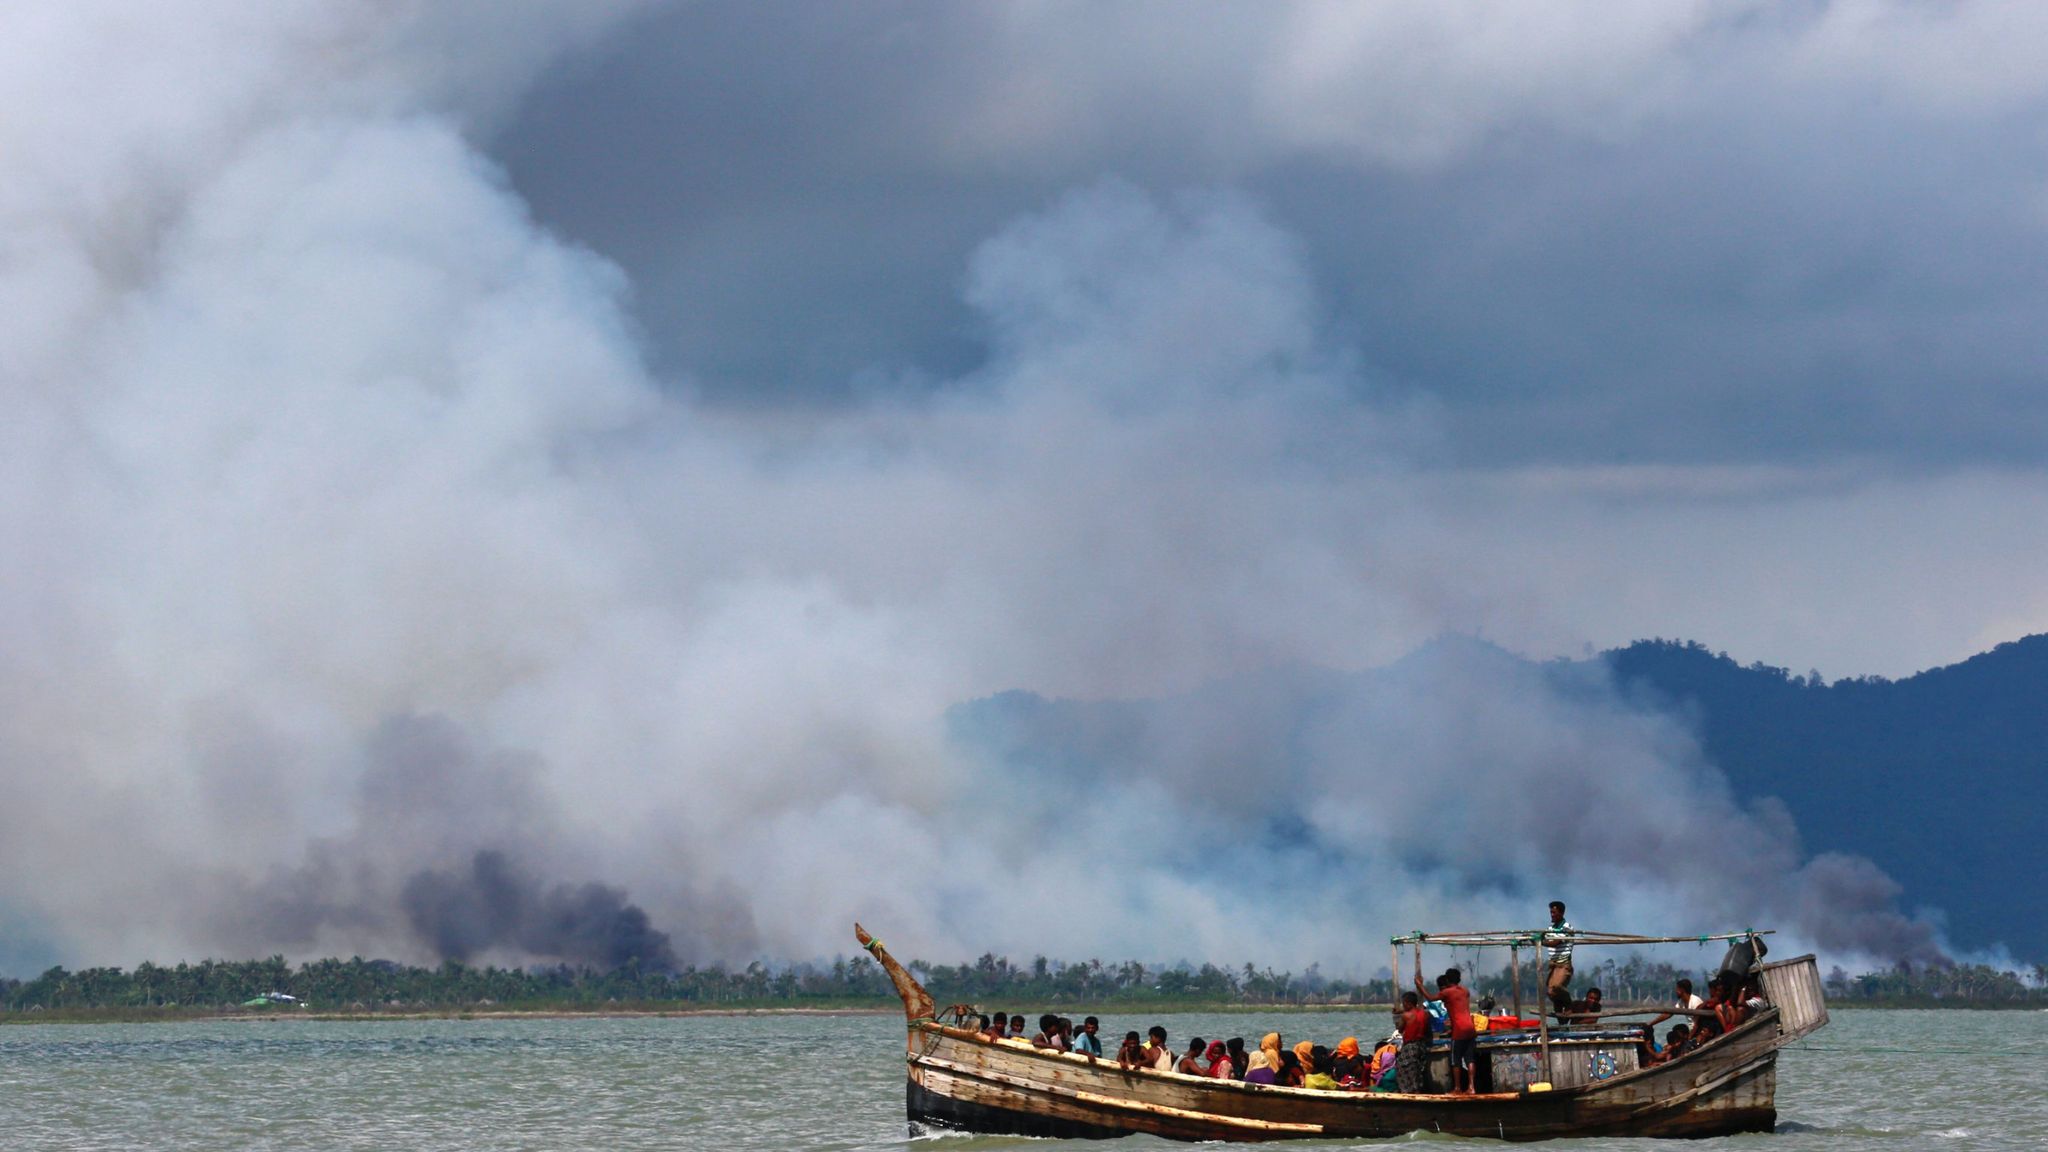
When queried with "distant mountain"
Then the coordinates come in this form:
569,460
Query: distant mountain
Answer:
1940,778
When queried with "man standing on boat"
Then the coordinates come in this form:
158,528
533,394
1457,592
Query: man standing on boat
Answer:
1557,941
1450,988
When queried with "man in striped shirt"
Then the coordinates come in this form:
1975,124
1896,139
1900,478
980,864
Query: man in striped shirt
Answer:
1557,943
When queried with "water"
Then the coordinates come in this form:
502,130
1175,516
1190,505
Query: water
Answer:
1953,1081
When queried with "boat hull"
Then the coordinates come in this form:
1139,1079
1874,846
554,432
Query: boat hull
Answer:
1577,1085
959,1081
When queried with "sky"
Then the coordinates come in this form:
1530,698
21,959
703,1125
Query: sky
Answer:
1759,280
578,456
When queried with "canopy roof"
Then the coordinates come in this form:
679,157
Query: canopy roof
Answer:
1516,938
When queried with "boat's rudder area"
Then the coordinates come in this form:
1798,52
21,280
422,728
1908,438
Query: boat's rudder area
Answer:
1794,987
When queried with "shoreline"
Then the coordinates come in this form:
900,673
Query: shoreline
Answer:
620,1012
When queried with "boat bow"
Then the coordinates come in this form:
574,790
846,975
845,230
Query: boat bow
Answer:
917,1003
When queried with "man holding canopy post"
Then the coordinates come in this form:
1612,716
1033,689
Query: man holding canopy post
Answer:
1557,942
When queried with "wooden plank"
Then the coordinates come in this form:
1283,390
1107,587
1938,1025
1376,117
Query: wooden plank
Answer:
1794,987
1103,1100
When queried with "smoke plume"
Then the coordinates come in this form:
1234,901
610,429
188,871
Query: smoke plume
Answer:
370,594
493,906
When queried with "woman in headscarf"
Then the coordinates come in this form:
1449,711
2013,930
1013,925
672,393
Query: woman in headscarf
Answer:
1346,1064
1306,1053
1383,1061
1261,1070
1218,1057
1238,1064
1270,1045
1319,1077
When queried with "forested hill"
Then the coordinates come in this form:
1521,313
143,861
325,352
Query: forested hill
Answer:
1941,778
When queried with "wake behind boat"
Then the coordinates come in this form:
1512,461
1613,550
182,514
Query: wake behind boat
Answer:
1583,1080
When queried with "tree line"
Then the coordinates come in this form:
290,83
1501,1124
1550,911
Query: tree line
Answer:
994,982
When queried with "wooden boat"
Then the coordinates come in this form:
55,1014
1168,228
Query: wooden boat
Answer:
1546,1084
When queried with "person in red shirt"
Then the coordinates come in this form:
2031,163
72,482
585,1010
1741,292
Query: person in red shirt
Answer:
1411,1063
1450,988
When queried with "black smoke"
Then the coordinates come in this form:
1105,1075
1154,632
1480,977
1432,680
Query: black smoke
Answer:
495,905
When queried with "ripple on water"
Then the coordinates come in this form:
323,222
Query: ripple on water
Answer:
1880,1080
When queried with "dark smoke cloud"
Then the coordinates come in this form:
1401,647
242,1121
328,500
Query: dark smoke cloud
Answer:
493,905
449,856
1852,906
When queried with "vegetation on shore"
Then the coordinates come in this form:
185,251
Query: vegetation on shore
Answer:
381,987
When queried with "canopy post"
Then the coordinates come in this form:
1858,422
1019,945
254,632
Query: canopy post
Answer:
1394,975
1515,961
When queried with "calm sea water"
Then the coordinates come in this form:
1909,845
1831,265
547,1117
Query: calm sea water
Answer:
1872,1080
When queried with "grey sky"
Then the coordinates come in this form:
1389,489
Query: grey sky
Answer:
1700,233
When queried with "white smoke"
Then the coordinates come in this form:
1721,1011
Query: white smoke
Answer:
355,541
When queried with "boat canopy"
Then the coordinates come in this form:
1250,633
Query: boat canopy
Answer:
1535,938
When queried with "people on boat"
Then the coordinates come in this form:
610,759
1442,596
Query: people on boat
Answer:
1319,1076
1217,1060
1383,1058
1439,1016
1260,1070
1239,1064
1450,988
1291,1074
1348,1064
1048,1035
1191,1060
1016,1026
1270,1045
1705,1028
1585,1012
1412,1063
1722,1000
1157,1054
1557,945
1752,993
1087,1042
1304,1055
998,1027
1131,1053
1646,1044
1676,1042
1681,997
